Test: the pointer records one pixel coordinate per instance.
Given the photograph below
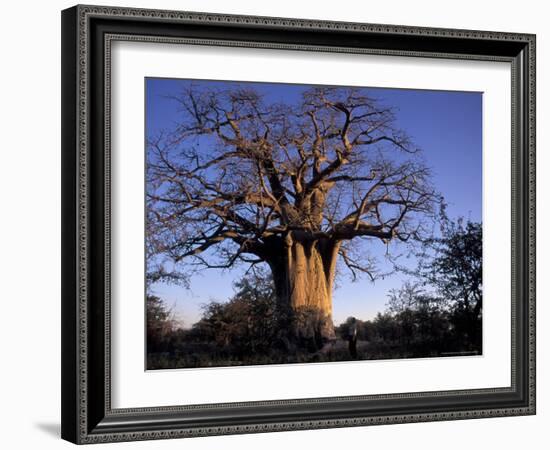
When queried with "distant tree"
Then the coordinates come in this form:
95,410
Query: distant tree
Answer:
385,327
452,266
457,267
411,297
159,324
297,186
421,317
247,323
456,273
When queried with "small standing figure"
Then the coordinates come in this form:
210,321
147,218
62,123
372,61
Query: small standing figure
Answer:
352,338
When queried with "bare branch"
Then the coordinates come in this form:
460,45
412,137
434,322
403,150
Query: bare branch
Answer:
237,175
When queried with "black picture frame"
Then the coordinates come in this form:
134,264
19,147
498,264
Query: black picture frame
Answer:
87,416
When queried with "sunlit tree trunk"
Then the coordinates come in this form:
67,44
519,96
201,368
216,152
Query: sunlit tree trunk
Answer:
304,279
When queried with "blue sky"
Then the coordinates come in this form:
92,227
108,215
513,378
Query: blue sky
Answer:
446,125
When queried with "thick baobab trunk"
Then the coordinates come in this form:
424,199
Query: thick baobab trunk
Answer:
304,276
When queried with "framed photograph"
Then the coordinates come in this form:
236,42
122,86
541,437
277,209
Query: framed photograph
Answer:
282,224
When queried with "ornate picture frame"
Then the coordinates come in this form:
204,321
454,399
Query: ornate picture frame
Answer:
88,415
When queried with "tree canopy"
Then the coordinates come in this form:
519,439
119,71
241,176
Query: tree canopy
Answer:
295,185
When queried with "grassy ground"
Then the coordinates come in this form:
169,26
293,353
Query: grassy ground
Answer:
211,355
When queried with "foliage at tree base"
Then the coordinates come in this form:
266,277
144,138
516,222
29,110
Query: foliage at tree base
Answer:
408,334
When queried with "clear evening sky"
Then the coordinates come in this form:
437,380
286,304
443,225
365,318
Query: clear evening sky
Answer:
446,125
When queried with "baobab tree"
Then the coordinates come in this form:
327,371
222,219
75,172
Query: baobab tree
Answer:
300,186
